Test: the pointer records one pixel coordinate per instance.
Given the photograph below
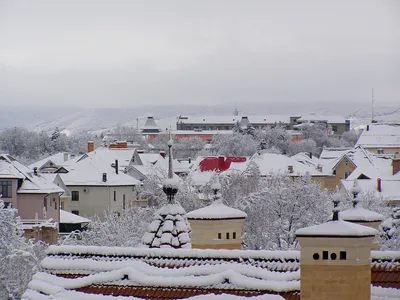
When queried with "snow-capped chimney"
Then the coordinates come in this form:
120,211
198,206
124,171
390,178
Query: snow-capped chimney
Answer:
310,154
35,171
90,146
116,166
162,153
319,168
104,177
379,185
65,156
221,162
367,127
290,169
396,165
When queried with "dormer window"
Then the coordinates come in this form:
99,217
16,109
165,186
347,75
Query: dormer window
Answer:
380,151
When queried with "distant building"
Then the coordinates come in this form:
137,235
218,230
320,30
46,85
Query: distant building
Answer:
381,138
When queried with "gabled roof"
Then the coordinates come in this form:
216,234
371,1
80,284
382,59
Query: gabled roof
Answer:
57,159
31,183
216,211
88,170
69,218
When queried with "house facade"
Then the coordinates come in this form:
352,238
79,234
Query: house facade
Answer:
30,193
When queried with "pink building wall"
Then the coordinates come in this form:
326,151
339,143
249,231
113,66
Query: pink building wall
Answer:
30,204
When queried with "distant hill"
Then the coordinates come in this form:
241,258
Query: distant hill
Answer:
75,119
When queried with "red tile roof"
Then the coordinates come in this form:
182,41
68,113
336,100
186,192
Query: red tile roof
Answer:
219,164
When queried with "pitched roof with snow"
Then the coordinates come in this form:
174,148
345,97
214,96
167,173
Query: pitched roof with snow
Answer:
57,159
173,274
31,183
380,135
269,119
360,214
69,218
278,163
88,170
322,118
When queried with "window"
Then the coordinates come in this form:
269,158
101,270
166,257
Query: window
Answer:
343,255
75,195
234,235
325,255
115,195
346,174
334,128
45,203
227,235
55,203
346,162
123,201
75,212
219,236
62,204
380,151
7,204
334,172
6,189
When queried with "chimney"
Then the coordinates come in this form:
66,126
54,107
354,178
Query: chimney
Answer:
90,146
319,168
367,127
140,151
122,145
65,156
104,177
162,153
190,160
310,154
221,162
396,165
116,166
290,169
379,185
35,171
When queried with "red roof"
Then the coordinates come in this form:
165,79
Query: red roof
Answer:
220,163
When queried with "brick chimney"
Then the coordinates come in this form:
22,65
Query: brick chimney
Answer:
396,165
379,185
90,146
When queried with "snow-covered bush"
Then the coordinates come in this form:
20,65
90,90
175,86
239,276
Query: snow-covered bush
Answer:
123,229
19,258
279,208
308,146
273,138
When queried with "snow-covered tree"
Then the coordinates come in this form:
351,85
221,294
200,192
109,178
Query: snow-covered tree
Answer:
390,231
121,229
279,208
275,137
127,133
234,144
350,137
306,145
56,134
188,147
315,131
19,258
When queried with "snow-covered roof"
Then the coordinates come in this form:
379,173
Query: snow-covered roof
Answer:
337,228
361,214
31,183
89,170
126,270
331,153
216,211
380,135
322,118
69,218
390,189
278,163
268,119
57,159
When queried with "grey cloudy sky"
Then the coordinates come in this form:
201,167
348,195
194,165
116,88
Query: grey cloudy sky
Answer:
126,53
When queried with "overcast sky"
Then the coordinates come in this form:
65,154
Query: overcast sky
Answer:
126,53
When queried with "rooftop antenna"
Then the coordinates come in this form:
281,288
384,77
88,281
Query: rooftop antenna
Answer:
235,112
372,108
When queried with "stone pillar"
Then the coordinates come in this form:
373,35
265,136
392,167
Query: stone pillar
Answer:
335,264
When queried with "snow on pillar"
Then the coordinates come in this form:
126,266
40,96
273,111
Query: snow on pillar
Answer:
335,260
